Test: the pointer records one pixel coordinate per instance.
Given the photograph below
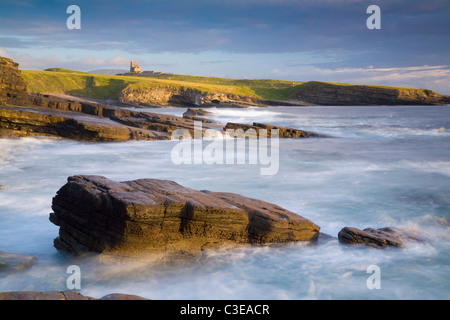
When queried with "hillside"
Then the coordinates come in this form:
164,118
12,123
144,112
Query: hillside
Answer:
172,89
325,93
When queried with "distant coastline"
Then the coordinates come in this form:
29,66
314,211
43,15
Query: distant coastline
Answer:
165,89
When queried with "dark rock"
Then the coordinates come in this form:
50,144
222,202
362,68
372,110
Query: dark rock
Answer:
283,132
164,219
377,237
197,115
15,262
196,112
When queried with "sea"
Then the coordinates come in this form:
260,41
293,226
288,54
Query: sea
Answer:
383,166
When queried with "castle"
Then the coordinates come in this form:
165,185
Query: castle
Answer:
134,67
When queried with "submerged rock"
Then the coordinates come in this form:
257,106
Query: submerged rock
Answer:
62,295
382,237
164,219
196,112
15,262
197,115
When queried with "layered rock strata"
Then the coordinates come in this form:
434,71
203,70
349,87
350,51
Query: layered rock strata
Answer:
321,93
164,219
13,89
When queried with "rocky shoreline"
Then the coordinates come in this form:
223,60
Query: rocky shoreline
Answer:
158,220
161,223
24,114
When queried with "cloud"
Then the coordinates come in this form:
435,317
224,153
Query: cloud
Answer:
27,61
256,26
329,37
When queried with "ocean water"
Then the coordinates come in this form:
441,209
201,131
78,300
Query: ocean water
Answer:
382,166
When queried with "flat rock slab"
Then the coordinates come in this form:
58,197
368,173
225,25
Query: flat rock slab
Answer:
15,262
133,218
382,237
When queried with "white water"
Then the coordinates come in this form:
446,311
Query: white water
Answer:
386,166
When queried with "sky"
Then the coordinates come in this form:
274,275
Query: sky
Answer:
300,40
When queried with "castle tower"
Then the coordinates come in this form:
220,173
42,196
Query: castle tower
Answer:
134,67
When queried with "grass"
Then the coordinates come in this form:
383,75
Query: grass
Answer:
424,91
75,83
58,80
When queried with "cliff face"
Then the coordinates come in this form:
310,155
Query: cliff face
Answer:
168,95
321,93
13,89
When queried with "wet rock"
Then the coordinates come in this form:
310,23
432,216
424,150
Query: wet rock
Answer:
15,262
283,132
197,115
30,121
196,112
61,295
382,237
160,218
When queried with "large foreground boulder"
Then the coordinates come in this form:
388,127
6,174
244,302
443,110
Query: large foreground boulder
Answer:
149,216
